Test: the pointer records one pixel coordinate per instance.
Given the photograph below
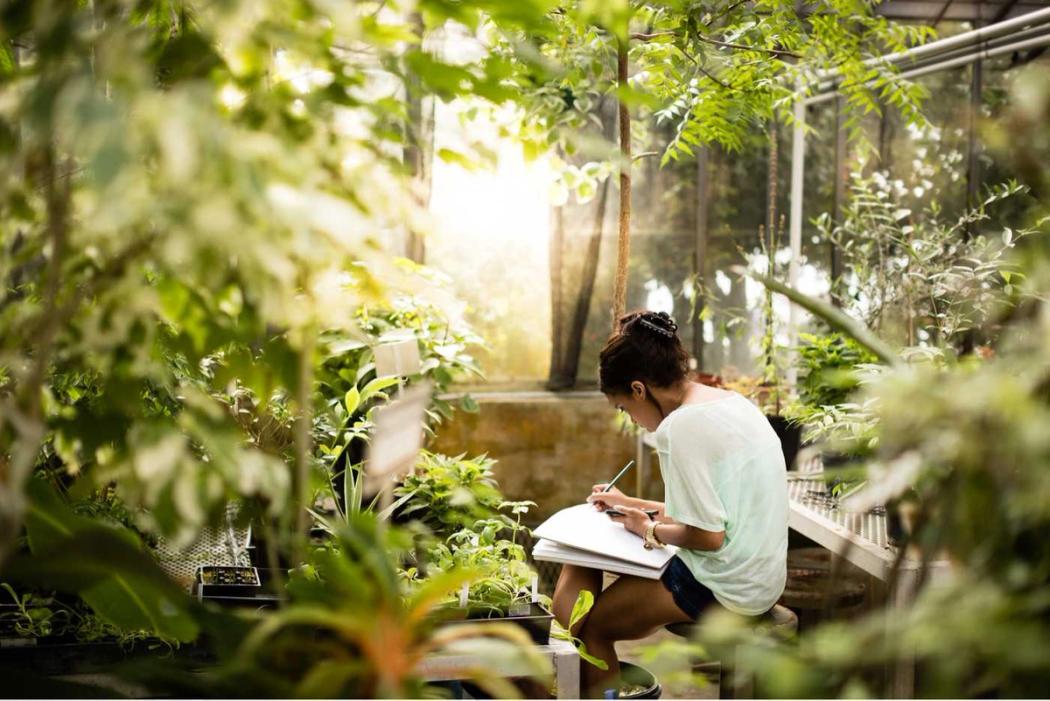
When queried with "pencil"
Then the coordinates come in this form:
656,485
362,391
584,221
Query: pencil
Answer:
617,477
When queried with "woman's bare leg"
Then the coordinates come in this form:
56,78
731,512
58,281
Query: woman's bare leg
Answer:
572,580
631,608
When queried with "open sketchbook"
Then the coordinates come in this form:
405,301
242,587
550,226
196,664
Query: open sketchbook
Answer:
581,535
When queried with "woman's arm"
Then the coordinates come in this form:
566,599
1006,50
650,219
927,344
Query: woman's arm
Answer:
688,537
619,500
670,532
647,505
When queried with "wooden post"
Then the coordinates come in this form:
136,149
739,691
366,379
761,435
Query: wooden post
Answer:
973,164
841,182
623,249
703,180
303,444
798,155
419,144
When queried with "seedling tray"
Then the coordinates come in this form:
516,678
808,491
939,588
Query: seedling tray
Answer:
222,581
536,621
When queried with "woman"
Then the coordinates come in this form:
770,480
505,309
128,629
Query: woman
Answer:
725,499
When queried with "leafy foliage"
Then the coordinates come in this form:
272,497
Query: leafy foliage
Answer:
447,493
827,362
582,606
459,502
916,279
372,636
111,572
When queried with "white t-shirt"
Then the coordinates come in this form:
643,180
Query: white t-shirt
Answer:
723,469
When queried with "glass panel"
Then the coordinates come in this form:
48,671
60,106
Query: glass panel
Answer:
492,239
999,77
927,165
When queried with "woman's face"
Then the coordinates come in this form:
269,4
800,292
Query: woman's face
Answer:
637,405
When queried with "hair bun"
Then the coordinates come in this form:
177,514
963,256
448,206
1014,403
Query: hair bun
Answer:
659,322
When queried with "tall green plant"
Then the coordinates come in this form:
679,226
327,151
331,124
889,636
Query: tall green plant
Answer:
916,278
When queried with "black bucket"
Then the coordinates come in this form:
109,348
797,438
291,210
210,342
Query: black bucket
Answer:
645,684
790,435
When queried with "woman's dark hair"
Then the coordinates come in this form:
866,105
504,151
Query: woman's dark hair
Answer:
644,347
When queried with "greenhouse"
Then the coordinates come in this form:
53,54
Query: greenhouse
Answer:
524,349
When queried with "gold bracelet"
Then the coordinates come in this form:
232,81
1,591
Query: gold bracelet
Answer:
650,540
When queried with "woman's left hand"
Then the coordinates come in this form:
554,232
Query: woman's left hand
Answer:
634,520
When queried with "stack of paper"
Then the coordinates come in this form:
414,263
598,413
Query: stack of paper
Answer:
582,535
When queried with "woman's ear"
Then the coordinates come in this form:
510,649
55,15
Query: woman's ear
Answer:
638,390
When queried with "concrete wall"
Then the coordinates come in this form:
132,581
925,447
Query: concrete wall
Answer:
551,447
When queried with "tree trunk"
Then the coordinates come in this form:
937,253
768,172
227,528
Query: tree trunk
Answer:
574,342
623,248
558,377
703,193
841,192
419,146
770,245
574,259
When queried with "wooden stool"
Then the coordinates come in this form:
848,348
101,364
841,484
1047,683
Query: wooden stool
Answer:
780,622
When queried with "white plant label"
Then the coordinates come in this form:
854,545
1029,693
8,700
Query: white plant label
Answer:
397,358
397,438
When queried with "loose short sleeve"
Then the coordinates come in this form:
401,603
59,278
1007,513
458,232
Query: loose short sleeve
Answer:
692,498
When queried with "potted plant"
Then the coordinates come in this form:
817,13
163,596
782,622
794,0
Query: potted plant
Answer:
829,368
459,503
507,588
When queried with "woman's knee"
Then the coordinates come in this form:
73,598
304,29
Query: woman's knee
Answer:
597,630
572,580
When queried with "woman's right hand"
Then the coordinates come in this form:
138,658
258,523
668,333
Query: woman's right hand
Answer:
603,500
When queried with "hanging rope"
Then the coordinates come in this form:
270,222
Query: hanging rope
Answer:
623,249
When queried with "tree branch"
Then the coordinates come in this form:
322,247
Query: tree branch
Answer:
729,45
655,35
703,70
710,75
718,42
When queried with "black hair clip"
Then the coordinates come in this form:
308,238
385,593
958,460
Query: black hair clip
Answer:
665,327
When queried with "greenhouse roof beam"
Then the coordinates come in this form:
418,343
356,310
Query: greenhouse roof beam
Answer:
1029,40
942,46
983,12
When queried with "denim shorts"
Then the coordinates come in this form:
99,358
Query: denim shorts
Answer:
690,595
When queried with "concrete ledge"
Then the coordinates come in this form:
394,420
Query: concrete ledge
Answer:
510,397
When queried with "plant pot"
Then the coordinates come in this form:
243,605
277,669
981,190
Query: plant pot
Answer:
645,683
536,622
832,459
790,435
900,522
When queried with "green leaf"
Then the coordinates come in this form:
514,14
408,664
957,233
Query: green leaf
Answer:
352,401
377,385
596,661
584,604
